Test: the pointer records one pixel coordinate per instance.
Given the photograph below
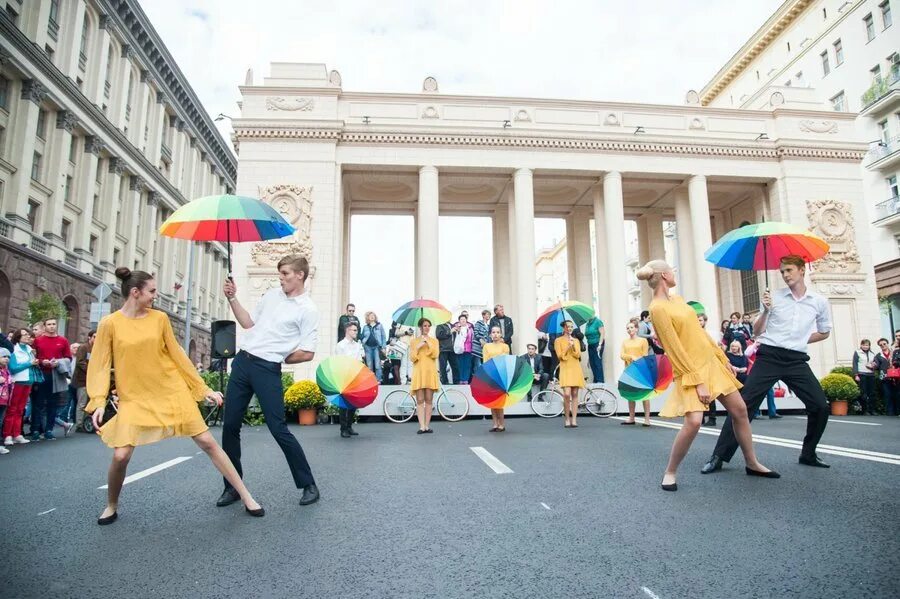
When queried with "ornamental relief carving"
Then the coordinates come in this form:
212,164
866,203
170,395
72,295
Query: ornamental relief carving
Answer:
294,203
840,289
833,222
290,104
811,126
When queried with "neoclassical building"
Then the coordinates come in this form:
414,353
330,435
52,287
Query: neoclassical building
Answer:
322,154
101,139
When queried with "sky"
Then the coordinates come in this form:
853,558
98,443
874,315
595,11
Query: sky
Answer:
652,51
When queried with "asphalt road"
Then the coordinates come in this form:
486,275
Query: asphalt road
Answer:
405,515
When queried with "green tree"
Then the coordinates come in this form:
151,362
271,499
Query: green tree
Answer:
45,306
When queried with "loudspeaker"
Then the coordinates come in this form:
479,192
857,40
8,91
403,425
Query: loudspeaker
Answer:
224,343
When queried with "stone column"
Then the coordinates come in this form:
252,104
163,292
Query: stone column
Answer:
109,203
120,99
97,77
701,232
157,129
511,302
526,306
651,246
139,114
571,278
687,275
604,285
613,220
583,290
69,46
428,227
149,231
87,184
58,168
132,208
21,145
502,267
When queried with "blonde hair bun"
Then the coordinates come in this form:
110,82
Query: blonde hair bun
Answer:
644,273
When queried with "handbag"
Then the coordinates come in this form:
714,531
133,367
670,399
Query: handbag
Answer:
892,373
459,342
779,390
111,409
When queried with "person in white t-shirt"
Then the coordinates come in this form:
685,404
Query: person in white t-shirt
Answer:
282,328
350,347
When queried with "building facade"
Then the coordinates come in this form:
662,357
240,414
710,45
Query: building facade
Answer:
101,139
834,55
321,154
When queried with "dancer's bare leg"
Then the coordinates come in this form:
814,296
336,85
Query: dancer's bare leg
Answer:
646,403
631,410
737,409
573,405
420,408
116,478
682,444
222,462
429,399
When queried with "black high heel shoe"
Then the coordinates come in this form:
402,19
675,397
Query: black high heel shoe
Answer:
672,487
257,513
109,519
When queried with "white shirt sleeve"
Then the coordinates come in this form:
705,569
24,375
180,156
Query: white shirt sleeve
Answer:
823,317
309,330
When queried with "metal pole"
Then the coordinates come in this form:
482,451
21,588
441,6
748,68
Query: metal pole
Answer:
190,300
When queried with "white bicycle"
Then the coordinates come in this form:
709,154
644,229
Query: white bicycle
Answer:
451,404
598,399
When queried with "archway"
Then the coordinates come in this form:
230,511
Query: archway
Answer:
5,296
68,325
192,351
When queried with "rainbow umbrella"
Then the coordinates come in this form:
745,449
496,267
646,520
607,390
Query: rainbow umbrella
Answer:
698,307
346,382
226,218
409,313
502,381
761,246
645,378
551,319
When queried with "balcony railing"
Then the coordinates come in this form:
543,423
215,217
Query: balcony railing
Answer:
888,208
166,152
880,88
4,228
71,260
39,245
53,29
882,149
97,272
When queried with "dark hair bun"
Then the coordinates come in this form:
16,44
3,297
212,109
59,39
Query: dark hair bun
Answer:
123,273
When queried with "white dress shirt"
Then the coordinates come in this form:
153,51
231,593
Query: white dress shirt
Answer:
792,320
352,349
282,325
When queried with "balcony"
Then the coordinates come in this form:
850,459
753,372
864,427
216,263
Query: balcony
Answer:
881,96
166,153
107,87
53,29
39,245
884,156
887,212
71,260
82,61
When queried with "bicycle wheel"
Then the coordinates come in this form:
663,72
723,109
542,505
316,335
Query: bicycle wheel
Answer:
452,405
399,406
547,404
601,402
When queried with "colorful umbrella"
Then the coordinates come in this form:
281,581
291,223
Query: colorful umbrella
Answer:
502,381
226,218
762,246
550,321
645,378
346,382
698,307
409,313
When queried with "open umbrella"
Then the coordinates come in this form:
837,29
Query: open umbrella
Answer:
410,313
346,382
645,378
550,321
501,382
698,307
761,246
226,218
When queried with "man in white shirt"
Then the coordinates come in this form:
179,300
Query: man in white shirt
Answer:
350,347
789,320
282,328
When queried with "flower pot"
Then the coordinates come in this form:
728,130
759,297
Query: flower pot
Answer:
306,416
838,408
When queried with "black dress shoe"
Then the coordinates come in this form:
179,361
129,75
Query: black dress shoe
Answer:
421,431
814,461
672,487
769,474
257,513
310,495
227,497
626,423
714,463
352,432
345,434
428,430
109,519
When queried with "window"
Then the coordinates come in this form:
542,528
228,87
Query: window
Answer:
33,208
883,130
838,53
67,190
110,58
870,26
894,61
4,93
826,67
128,97
838,103
875,72
64,232
73,150
99,176
892,186
36,166
54,11
749,287
885,13
95,206
116,253
92,245
42,124
85,37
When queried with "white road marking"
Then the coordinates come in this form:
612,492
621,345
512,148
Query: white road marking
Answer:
492,462
545,506
830,420
650,593
848,452
153,470
47,512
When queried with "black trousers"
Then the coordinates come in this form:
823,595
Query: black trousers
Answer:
867,393
443,358
251,375
345,415
775,364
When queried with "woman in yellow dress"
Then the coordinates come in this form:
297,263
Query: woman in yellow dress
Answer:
423,352
635,348
157,385
702,373
491,350
571,377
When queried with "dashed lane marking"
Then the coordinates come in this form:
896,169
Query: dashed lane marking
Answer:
547,507
153,470
47,512
831,420
649,593
492,462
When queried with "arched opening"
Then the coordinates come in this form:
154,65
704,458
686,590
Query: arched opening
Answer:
68,324
192,351
749,287
5,295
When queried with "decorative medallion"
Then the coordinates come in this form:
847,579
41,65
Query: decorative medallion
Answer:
522,116
612,120
290,104
294,203
430,85
833,221
696,124
334,78
812,126
430,112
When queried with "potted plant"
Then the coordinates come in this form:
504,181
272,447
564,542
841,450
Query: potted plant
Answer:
306,398
330,414
840,389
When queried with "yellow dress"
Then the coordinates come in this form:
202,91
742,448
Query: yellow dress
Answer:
492,350
570,373
157,386
424,359
634,349
694,355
